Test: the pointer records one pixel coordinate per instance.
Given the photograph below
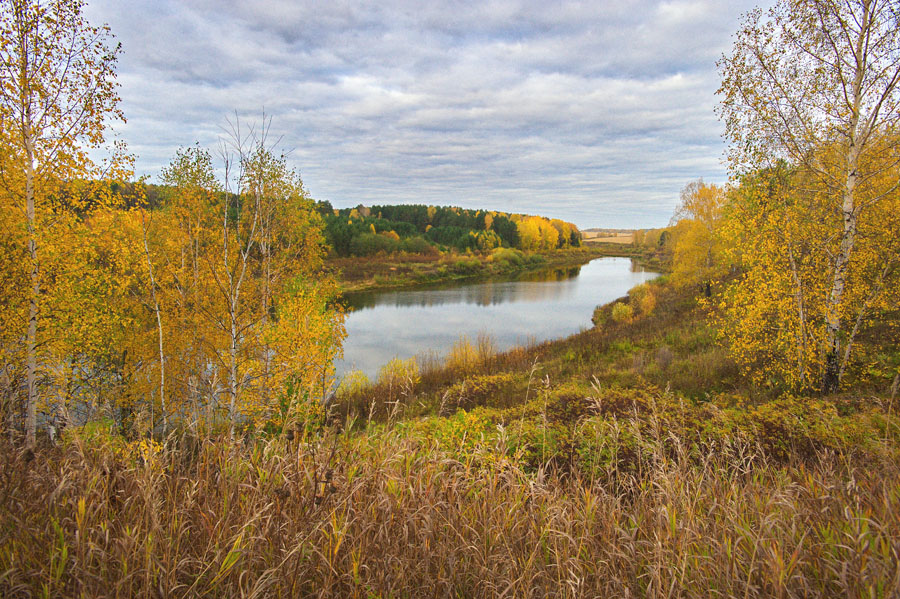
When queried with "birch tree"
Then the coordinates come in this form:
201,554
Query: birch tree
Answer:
696,229
57,96
814,84
248,281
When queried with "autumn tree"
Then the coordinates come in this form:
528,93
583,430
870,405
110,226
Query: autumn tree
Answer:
811,86
90,314
57,95
536,233
696,226
245,292
177,237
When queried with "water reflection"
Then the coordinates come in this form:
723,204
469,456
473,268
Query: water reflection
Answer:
486,293
538,305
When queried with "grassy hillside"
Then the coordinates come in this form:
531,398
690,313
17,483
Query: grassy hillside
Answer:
627,460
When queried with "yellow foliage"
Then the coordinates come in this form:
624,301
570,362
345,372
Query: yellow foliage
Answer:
698,246
353,382
536,233
399,373
783,231
463,356
644,297
622,312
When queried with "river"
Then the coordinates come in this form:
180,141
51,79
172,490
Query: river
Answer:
532,307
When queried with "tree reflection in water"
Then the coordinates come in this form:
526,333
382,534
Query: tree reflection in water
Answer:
481,293
537,305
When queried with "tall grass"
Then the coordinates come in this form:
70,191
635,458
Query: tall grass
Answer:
390,515
466,357
533,473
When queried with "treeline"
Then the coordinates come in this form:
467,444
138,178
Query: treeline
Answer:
800,253
763,252
200,302
421,229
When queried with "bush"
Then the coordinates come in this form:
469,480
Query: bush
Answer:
508,257
369,244
644,298
463,356
598,318
417,245
352,382
622,312
399,372
467,265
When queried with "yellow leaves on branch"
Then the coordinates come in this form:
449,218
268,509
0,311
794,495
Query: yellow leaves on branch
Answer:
249,312
698,246
811,102
784,233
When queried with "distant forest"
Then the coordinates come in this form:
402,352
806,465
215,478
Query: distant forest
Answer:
421,229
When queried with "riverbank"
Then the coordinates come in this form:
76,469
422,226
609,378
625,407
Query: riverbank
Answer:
395,271
656,336
652,351
523,307
627,460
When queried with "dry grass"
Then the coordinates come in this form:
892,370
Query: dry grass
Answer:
623,239
550,488
383,515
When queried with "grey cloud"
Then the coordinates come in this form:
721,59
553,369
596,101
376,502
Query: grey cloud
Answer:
597,112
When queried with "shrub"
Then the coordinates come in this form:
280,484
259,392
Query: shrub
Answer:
417,245
353,381
369,244
664,357
600,315
508,257
622,312
467,265
644,298
399,372
463,356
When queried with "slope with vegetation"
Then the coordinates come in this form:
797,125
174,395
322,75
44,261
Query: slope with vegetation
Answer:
729,429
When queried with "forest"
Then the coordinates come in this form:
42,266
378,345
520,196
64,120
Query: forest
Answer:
172,425
420,229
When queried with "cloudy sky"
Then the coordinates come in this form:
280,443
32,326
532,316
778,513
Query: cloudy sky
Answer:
594,112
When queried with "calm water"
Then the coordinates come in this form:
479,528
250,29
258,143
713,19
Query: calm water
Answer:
533,307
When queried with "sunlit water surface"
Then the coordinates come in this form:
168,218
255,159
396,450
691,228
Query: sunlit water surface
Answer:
533,307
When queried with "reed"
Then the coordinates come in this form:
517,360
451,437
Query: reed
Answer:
385,514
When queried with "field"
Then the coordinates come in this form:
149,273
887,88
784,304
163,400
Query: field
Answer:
607,236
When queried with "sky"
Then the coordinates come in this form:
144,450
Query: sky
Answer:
594,112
